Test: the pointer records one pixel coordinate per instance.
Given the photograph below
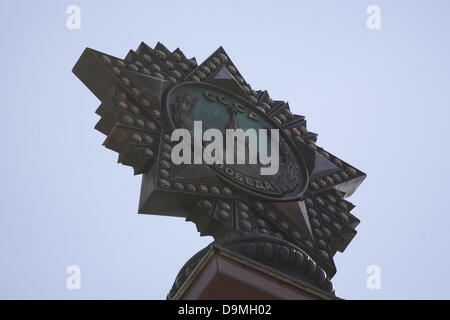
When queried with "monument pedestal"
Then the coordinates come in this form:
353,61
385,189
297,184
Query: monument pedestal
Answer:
216,273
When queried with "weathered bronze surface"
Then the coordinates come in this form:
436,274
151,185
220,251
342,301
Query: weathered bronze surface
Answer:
293,221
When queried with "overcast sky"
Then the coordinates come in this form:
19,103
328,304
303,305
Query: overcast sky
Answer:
379,99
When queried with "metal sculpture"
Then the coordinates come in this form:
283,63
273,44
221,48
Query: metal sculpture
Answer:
292,222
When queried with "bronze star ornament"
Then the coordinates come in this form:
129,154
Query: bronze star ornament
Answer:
293,222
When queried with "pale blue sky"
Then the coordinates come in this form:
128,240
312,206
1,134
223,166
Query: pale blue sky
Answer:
378,99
